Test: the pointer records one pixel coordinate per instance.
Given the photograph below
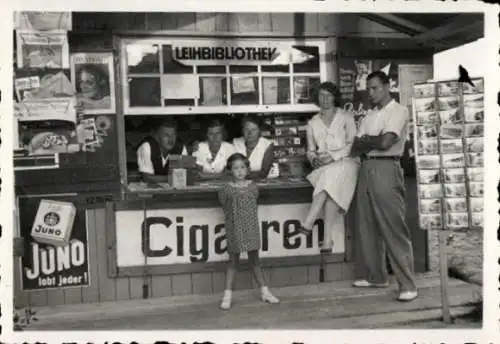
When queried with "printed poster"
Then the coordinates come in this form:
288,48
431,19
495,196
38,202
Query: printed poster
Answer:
45,266
94,81
42,50
42,84
43,21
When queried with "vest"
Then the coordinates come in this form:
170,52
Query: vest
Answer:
156,154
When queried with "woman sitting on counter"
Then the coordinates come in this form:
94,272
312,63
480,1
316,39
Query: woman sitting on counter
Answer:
154,151
211,155
257,149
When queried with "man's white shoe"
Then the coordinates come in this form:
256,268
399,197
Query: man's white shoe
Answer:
366,284
406,296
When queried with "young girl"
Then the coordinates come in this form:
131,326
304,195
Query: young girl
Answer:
239,201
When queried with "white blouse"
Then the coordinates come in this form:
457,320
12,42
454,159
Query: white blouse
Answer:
258,152
210,164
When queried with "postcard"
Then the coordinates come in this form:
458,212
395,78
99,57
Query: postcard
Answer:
425,104
42,50
477,88
475,159
451,131
426,147
477,220
423,90
454,175
428,176
431,221
474,101
427,132
431,191
475,144
427,118
457,220
456,205
473,114
450,116
449,88
448,103
428,161
451,146
430,206
455,190
453,160
475,174
472,130
476,189
476,204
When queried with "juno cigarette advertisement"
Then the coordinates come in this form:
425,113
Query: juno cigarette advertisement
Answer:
45,266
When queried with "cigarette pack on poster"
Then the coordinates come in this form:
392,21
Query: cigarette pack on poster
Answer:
473,130
42,50
476,204
454,175
449,88
477,220
427,132
430,206
428,161
455,205
43,21
451,131
425,105
475,159
475,174
475,144
457,220
453,160
455,190
430,221
428,147
450,116
296,141
430,191
427,118
423,90
474,101
451,146
448,103
86,132
53,222
473,114
476,189
478,86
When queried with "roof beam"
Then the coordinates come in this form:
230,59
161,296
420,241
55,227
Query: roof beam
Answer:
396,23
457,24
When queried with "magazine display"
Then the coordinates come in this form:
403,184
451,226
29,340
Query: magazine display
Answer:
449,147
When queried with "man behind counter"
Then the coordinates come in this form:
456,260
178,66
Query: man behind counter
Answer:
154,151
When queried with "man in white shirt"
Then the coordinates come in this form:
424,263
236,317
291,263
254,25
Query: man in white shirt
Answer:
380,205
154,151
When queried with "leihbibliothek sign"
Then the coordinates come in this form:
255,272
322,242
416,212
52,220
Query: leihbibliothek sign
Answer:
175,236
45,266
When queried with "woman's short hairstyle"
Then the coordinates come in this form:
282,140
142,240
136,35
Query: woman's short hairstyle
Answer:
101,79
332,89
217,123
235,157
167,123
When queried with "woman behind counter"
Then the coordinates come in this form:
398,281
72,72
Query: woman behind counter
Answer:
257,149
211,155
330,134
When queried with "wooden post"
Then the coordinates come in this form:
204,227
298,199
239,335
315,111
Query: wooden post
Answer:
443,271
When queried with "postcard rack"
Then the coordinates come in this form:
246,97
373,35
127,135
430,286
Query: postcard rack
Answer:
449,145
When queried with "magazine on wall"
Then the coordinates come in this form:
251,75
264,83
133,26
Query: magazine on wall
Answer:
42,50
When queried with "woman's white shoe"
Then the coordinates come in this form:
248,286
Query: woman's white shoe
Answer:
269,298
226,302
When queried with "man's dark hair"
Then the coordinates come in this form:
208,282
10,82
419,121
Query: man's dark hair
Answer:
332,89
380,75
168,123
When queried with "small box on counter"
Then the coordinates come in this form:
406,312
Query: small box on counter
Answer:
181,161
177,178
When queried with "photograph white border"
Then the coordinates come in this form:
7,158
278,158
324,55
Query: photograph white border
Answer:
489,332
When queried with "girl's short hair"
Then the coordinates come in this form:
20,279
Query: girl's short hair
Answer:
235,157
331,88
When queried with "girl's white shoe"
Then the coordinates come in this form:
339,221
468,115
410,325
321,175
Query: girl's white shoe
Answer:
226,301
267,297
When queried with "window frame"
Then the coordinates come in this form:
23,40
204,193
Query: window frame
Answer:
218,109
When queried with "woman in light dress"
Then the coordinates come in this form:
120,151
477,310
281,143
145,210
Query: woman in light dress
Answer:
211,155
258,149
330,134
